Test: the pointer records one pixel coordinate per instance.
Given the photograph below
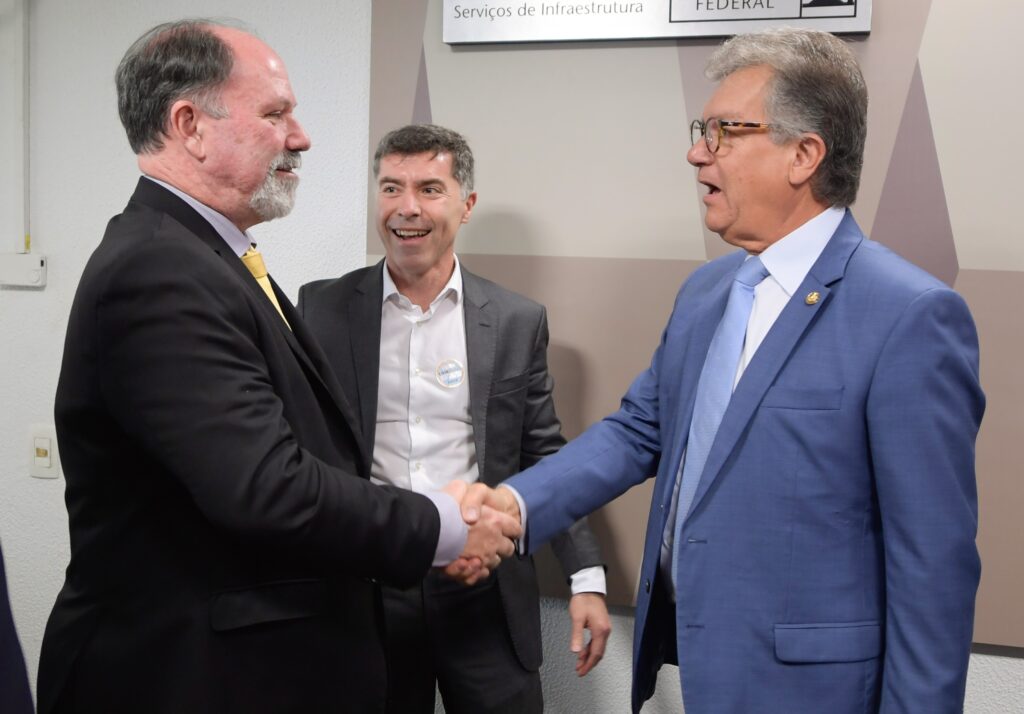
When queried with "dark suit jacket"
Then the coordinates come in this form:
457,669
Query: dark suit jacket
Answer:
828,561
224,534
514,421
15,697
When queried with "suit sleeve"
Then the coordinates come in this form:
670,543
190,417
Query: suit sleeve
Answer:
605,461
924,411
577,547
184,376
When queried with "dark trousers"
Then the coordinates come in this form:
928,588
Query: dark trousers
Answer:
445,633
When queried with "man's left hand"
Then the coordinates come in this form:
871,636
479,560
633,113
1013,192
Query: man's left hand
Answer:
588,611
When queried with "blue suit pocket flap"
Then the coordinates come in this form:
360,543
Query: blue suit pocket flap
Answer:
270,602
780,397
828,642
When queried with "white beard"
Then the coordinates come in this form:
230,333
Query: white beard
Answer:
275,197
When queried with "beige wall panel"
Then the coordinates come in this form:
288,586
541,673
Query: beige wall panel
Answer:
970,63
606,317
581,149
994,299
395,53
888,57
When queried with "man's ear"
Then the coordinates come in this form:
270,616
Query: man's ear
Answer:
470,202
809,153
185,126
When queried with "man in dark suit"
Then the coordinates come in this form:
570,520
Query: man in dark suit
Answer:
448,373
15,697
810,416
226,542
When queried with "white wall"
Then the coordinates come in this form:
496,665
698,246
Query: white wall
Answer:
82,172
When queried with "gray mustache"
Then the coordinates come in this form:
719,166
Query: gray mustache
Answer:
287,160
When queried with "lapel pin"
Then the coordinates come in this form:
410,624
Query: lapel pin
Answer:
812,298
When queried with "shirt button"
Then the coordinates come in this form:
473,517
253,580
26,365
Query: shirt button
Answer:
417,466
418,370
418,420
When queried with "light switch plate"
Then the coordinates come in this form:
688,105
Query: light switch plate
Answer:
43,459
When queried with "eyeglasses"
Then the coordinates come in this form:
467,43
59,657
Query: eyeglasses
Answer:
714,129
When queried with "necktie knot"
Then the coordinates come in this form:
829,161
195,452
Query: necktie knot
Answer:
752,272
253,260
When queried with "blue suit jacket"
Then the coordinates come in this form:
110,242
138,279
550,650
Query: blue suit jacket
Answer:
828,562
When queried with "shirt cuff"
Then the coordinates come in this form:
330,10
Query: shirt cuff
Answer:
588,580
521,542
451,540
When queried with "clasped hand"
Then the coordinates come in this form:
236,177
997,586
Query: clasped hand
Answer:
492,516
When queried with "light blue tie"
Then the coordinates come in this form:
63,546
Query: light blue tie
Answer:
714,390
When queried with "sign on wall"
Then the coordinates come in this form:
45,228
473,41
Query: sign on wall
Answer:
472,21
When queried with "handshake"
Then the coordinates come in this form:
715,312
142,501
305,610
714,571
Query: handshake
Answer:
494,522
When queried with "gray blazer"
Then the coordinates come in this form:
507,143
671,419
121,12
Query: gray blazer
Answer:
514,421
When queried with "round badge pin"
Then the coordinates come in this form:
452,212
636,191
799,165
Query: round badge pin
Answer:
450,373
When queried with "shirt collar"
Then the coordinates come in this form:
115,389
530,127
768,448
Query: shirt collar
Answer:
790,258
453,287
238,241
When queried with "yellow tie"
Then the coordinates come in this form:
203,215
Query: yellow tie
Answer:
253,260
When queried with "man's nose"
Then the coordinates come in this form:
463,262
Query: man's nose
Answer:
410,205
699,154
298,139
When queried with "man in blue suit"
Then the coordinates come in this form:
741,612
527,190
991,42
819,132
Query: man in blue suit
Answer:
811,540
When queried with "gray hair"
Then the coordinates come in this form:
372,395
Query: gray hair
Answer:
172,61
817,87
423,138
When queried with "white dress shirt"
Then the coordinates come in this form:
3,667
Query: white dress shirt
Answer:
788,261
424,433
424,436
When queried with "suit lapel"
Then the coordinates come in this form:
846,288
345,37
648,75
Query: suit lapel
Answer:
777,346
301,342
364,315
308,351
481,322
704,316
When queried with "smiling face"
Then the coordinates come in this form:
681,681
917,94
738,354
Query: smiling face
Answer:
751,199
420,208
249,155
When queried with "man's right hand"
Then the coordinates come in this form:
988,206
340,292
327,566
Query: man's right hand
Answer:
492,530
500,499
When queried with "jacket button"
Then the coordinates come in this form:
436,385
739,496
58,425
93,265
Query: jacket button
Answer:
647,585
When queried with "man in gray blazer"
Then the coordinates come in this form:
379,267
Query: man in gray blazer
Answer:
448,373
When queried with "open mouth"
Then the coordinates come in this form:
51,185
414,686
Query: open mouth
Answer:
712,188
